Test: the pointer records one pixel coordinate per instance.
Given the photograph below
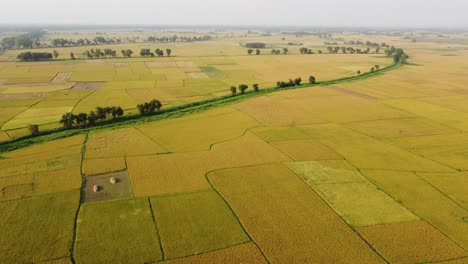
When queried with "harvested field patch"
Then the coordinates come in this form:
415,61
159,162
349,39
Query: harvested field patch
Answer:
121,64
197,75
358,201
185,172
309,149
121,142
38,228
365,152
170,64
87,86
106,190
245,253
288,221
199,131
105,165
195,223
117,232
61,77
425,201
411,242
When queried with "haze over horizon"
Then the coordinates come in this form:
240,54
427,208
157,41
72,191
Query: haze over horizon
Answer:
362,13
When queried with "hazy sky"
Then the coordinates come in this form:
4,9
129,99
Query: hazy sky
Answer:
410,13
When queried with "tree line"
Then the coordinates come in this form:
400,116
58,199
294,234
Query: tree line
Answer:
175,38
61,42
23,41
242,88
70,120
158,51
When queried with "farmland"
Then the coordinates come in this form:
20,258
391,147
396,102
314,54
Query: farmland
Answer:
371,169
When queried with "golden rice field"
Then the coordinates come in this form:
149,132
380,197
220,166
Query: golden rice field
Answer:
40,92
368,171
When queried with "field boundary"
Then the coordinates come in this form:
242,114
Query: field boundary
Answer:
176,111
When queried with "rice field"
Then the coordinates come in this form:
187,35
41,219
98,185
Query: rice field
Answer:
372,170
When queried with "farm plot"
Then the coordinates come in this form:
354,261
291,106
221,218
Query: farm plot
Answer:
120,143
121,64
131,238
105,165
79,86
170,64
37,229
245,253
35,88
195,223
288,221
185,172
366,152
199,131
405,127
452,184
54,155
302,150
197,75
446,116
279,133
451,150
276,111
41,182
61,77
36,116
106,189
411,242
358,201
425,201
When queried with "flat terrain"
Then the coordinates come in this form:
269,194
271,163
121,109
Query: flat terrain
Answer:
367,171
40,92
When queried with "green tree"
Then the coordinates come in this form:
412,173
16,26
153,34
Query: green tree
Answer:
257,52
92,118
168,52
81,119
233,90
72,56
297,81
34,130
249,51
358,72
285,51
67,120
243,88
255,87
55,53
312,79
128,53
